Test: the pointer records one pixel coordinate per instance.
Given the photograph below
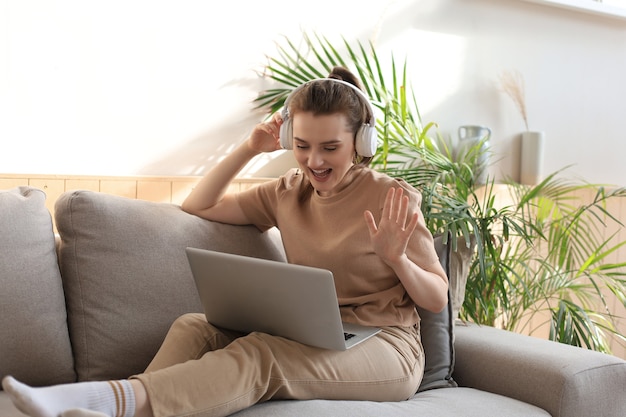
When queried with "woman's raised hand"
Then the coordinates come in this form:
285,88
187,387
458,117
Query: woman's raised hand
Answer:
391,236
265,137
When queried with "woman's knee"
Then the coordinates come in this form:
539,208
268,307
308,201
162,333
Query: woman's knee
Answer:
189,320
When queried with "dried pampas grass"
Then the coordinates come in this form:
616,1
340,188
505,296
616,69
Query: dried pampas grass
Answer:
512,83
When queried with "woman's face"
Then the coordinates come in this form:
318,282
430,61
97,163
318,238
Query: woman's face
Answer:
323,145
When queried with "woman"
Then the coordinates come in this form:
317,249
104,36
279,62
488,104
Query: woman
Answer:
333,212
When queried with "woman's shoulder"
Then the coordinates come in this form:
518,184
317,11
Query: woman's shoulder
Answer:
379,183
293,178
292,182
385,181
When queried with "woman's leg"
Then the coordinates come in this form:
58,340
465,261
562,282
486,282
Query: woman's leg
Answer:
111,398
260,367
251,369
190,337
143,408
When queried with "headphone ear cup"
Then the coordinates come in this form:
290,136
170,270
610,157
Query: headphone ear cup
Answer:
286,133
366,141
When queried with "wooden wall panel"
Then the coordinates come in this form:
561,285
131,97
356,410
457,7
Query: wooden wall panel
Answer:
12,182
124,188
82,184
154,190
157,189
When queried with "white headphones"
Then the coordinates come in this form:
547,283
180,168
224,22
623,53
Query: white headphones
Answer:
366,141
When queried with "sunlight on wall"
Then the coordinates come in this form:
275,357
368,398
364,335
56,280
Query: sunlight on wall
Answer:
156,87
435,61
112,87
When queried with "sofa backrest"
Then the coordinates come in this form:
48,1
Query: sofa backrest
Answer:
34,340
126,275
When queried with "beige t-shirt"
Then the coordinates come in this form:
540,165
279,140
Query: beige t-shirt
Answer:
331,233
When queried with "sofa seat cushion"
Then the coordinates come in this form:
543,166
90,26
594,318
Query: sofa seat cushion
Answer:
7,409
445,402
127,278
34,340
465,402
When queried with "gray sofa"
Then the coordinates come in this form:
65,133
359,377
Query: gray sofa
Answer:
96,302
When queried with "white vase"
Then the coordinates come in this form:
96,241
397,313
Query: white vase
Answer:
531,162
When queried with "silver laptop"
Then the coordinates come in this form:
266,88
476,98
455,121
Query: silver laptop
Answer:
296,302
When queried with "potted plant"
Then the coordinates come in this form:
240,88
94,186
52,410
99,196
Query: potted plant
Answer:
534,250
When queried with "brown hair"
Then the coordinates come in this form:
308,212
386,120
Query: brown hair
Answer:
322,97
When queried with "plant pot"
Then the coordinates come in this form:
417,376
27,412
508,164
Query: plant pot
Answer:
470,137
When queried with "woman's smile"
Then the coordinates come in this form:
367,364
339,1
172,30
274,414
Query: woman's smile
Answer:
321,175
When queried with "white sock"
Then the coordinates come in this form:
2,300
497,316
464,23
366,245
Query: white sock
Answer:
111,398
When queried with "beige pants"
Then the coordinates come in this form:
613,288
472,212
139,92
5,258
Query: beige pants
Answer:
203,369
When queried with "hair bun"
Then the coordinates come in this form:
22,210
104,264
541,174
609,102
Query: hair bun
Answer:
344,74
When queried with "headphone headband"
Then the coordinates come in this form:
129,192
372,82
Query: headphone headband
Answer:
366,141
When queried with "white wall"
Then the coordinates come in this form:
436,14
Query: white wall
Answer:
165,87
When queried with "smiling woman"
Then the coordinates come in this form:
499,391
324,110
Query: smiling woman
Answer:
333,213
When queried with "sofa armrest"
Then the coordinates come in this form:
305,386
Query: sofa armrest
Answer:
563,380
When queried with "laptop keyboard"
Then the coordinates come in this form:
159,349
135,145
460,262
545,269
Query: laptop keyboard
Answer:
348,336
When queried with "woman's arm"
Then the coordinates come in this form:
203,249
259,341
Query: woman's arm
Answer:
209,198
426,285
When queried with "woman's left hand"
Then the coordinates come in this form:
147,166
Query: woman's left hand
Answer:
391,236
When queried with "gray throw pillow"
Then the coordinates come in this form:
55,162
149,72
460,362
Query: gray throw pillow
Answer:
438,328
34,340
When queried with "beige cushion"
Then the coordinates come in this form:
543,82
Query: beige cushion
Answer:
127,277
34,341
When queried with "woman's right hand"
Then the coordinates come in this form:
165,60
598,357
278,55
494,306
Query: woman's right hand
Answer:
210,198
265,137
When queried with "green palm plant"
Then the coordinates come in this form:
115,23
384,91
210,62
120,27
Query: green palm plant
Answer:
541,255
566,267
